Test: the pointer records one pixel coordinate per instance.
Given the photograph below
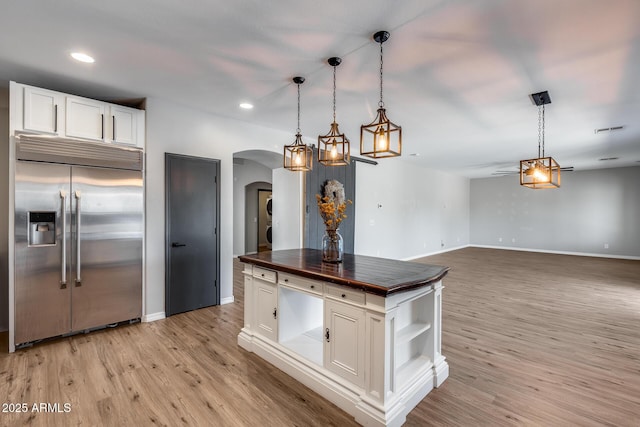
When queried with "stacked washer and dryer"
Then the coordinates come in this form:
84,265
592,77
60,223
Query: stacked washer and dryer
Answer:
268,232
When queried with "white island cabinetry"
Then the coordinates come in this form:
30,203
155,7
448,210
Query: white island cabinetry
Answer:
375,355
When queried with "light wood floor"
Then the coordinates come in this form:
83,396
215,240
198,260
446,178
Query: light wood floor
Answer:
531,339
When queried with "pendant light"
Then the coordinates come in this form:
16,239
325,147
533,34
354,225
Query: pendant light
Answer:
541,172
298,156
381,138
334,148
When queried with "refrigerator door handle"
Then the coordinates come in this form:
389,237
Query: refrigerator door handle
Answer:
78,195
63,213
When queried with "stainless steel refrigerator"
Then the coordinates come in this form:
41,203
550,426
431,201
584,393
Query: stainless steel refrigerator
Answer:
78,237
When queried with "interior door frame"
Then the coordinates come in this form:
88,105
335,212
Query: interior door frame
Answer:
167,223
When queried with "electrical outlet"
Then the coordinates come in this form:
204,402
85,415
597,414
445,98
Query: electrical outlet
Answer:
513,240
500,239
606,246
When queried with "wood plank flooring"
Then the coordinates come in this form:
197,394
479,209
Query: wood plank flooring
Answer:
531,339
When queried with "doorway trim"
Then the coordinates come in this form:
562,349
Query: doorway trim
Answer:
167,222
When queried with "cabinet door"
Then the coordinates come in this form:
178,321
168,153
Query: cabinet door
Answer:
85,118
344,344
42,110
266,305
122,125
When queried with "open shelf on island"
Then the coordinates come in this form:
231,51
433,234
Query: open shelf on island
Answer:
300,321
307,345
411,331
412,369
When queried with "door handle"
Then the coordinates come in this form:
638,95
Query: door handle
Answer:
63,213
78,194
177,245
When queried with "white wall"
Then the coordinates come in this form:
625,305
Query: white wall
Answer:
4,210
243,174
591,208
288,203
178,129
404,211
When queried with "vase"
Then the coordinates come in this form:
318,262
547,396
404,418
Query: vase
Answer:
332,246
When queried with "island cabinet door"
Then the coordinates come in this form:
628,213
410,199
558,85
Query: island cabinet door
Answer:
345,341
266,309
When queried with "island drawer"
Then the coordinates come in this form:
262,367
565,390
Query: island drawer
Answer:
264,274
347,295
298,282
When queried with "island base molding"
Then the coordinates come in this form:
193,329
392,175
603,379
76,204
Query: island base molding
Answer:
343,394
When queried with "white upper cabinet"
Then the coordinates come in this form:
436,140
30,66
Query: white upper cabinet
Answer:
49,112
85,119
122,124
43,110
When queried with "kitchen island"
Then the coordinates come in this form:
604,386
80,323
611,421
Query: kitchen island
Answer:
365,333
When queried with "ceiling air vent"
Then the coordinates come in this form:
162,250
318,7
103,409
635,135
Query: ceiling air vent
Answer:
611,129
604,159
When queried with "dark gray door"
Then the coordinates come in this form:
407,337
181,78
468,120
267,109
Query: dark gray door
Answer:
192,238
314,226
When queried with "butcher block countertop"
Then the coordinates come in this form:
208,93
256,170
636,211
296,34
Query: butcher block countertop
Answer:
380,276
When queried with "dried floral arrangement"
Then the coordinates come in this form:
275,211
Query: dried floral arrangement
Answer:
332,204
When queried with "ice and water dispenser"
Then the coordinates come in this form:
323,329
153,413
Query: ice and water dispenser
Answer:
42,228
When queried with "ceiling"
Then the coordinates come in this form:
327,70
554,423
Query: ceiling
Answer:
457,74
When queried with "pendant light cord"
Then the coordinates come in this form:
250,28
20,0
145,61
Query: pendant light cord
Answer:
334,94
381,103
298,130
541,130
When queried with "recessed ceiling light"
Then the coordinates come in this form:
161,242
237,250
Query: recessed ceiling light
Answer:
82,57
246,106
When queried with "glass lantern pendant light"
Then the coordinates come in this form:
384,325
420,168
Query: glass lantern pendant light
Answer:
541,172
333,148
381,138
298,156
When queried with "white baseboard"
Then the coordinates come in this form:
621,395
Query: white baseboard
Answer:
153,317
435,253
546,251
227,300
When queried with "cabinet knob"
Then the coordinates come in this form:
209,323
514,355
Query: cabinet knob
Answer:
344,295
275,313
262,275
313,286
286,280
326,334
